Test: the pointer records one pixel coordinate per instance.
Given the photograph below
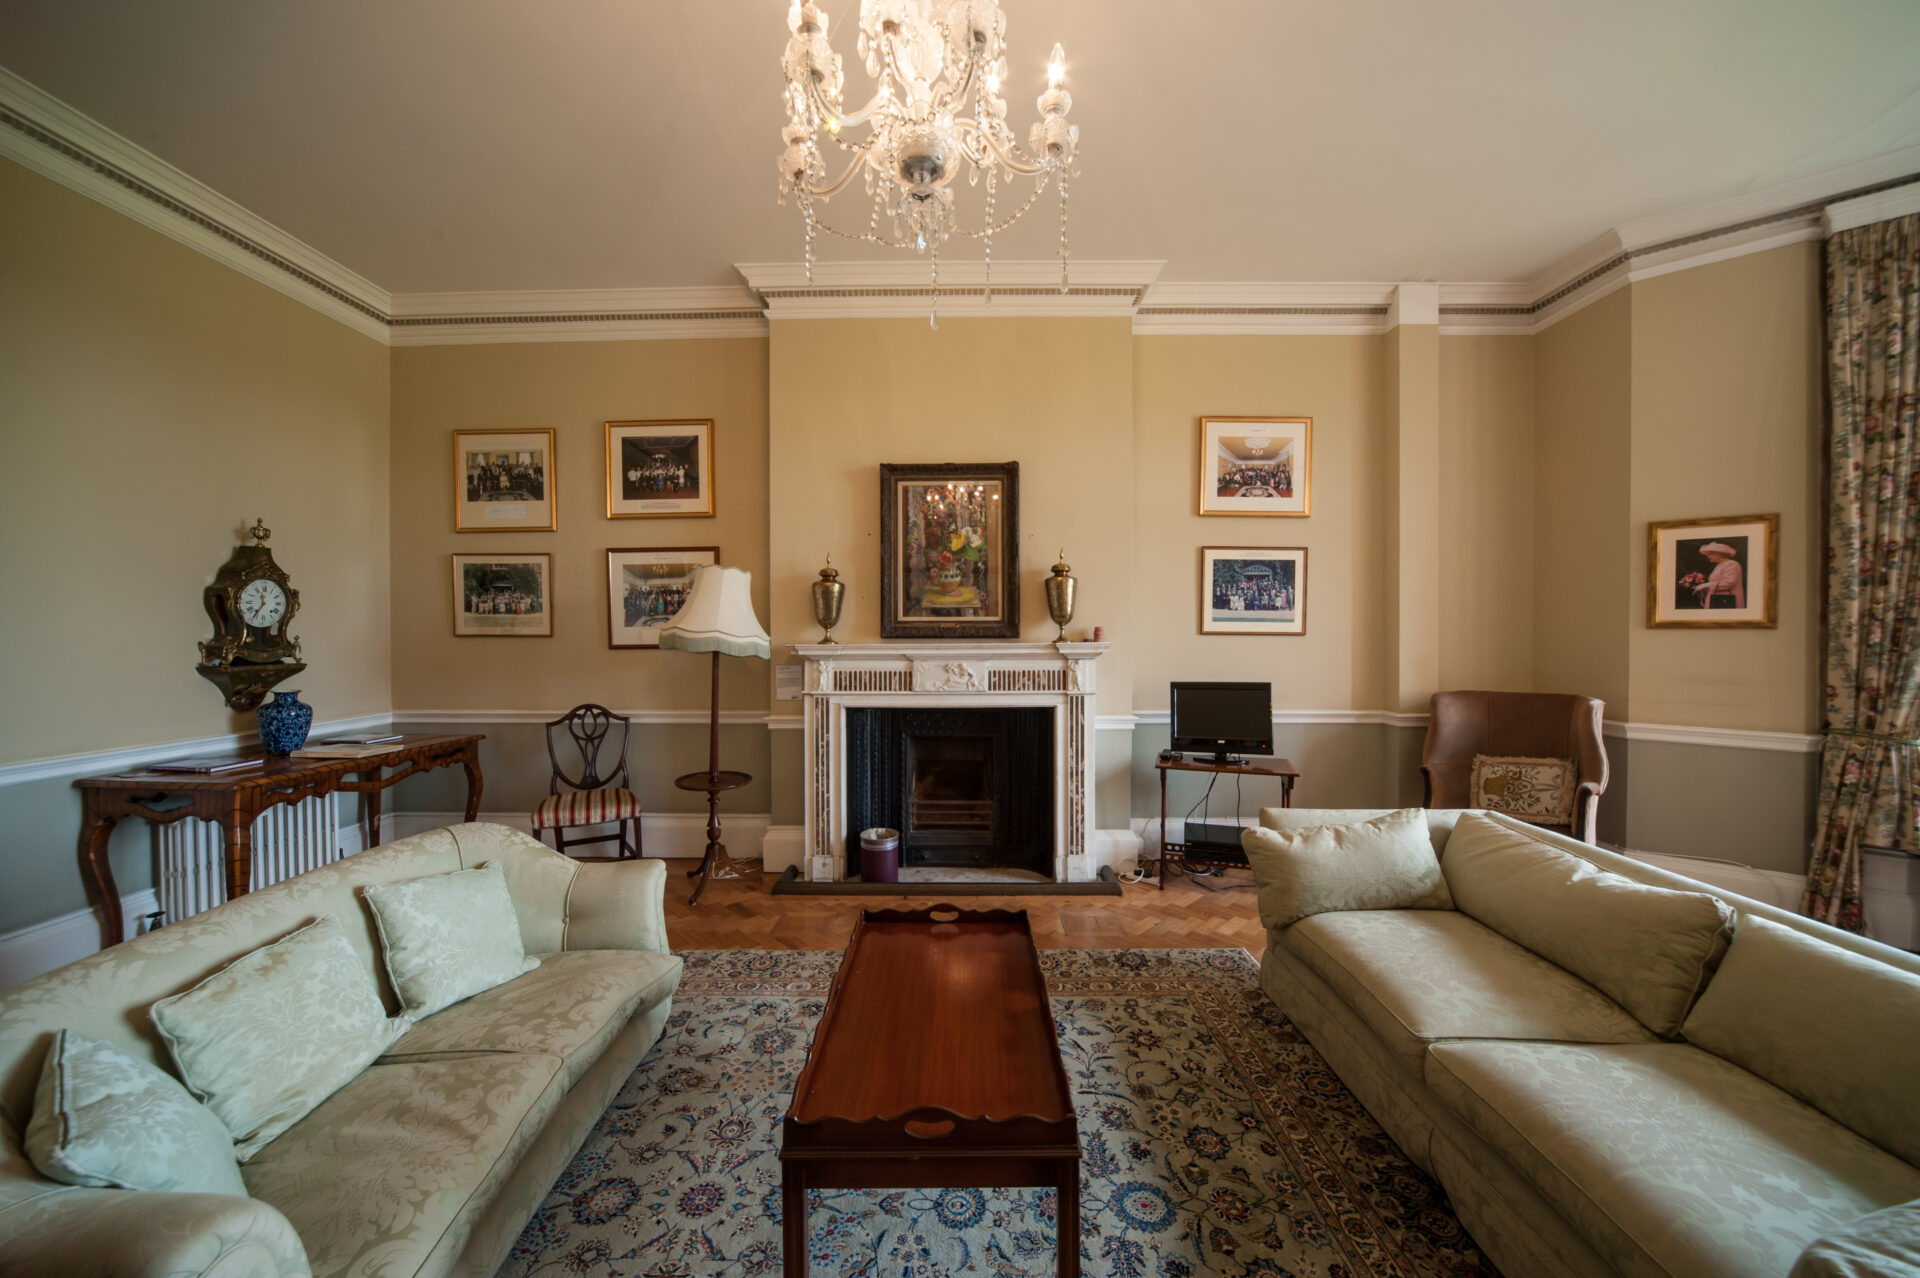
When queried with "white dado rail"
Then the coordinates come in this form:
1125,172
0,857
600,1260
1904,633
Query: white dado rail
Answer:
959,675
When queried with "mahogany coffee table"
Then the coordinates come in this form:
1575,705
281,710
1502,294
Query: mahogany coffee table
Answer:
935,1066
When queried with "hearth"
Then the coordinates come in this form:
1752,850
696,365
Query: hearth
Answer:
964,787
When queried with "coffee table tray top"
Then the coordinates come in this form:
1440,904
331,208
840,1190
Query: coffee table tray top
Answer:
937,1037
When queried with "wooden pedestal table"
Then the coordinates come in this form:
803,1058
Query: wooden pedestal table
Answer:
716,864
231,800
1186,854
935,1065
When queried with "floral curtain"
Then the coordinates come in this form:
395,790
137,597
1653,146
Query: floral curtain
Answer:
1870,762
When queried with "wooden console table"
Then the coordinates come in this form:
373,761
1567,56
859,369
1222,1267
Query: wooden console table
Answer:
1184,854
232,800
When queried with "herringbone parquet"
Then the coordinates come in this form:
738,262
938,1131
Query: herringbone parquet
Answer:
743,914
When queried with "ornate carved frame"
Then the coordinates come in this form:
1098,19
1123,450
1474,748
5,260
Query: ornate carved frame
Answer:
892,556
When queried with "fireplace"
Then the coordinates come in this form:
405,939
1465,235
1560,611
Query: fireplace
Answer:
964,787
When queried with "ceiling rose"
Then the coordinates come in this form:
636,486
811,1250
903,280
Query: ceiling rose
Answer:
933,62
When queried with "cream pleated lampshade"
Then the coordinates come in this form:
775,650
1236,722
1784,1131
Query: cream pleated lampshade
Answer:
718,616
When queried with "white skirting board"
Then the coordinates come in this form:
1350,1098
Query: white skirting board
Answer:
30,951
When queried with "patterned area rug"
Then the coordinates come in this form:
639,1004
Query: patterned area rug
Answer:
1214,1139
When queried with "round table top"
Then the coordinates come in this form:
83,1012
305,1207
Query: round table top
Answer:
713,782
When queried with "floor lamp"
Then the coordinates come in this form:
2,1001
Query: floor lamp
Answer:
717,618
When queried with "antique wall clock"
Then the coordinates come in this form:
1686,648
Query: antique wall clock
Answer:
251,601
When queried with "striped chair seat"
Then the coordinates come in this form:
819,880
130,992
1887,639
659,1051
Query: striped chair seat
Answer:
585,807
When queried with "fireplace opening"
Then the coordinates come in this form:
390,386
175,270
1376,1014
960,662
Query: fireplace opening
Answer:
967,788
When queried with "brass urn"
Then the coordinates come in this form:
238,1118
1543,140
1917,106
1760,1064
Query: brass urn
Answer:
1060,588
828,594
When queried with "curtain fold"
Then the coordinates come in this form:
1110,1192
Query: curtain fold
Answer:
1870,761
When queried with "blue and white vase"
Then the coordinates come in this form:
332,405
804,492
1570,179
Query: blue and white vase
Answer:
284,723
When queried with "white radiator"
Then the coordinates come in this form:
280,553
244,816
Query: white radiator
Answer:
288,839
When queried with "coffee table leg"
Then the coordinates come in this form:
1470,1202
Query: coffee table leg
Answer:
1069,1222
793,1222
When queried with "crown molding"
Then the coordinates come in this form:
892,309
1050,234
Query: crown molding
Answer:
1901,201
903,288
575,315
1226,308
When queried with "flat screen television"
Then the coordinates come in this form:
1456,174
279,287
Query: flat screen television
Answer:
1222,718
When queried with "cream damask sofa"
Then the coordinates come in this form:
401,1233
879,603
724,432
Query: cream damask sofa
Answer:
1574,1140
430,1161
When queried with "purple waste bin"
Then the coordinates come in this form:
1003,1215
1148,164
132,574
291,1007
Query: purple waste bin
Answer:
880,855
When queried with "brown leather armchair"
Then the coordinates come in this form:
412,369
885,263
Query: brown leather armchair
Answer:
1553,725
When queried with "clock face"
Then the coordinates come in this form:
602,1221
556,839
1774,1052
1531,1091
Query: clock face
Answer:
262,603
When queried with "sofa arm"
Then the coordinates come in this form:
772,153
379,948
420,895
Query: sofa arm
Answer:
618,905
125,1233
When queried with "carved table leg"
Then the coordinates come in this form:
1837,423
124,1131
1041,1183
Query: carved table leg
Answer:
370,812
1069,1220
95,830
476,784
238,829
793,1222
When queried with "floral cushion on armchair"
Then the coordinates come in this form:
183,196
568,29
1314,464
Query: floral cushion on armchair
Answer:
1538,791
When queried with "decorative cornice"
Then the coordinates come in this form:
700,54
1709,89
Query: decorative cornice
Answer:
1883,206
904,287
575,315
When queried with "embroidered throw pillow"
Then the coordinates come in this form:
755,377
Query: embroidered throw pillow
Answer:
1383,864
448,937
268,1037
1539,791
105,1120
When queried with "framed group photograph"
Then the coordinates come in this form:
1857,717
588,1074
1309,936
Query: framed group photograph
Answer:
950,551
1721,573
659,469
1256,465
503,481
508,595
645,588
1248,590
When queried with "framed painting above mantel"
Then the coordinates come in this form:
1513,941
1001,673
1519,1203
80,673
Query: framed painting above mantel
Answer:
950,550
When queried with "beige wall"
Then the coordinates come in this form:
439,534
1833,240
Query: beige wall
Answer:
1486,488
1583,589
1727,421
154,403
1340,661
574,388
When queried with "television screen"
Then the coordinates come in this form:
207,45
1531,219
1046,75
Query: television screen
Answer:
1223,718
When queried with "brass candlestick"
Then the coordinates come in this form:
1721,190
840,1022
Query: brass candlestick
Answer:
1060,588
828,594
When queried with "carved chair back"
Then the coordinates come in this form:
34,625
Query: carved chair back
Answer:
591,729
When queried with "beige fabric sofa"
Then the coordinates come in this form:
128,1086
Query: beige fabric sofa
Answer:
1573,1140
433,1159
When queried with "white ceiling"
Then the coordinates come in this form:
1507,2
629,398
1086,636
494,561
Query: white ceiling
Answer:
451,145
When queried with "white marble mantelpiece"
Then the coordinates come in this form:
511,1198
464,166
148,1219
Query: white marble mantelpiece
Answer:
960,675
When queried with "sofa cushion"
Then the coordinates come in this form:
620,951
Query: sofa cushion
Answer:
447,936
1649,949
1880,1244
396,1167
1387,863
103,1120
1421,976
275,1032
1836,1029
570,1007
1668,1160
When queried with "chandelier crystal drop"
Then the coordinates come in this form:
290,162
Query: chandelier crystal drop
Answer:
938,67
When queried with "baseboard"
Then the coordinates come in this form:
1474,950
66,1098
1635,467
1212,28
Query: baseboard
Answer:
42,947
784,846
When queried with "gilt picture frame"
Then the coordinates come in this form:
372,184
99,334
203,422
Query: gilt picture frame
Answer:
646,587
950,550
503,596
1253,590
1720,573
660,469
1256,466
504,481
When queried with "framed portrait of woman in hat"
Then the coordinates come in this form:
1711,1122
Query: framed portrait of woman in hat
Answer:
1713,574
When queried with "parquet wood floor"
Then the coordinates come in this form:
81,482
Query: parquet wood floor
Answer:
742,914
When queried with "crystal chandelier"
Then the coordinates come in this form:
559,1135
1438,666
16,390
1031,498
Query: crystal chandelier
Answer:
933,61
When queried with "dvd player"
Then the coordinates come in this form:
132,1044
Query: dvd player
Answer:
1214,836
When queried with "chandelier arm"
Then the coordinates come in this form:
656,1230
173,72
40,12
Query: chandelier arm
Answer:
1010,155
827,190
827,111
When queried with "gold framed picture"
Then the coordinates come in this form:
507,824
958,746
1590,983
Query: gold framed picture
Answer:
503,481
1714,574
503,596
950,550
645,588
1256,466
660,470
1253,590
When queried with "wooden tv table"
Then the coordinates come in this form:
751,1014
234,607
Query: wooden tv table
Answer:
936,1065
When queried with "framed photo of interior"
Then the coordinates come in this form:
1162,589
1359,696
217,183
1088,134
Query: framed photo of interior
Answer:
1247,590
503,595
503,481
645,588
659,470
1714,574
950,551
1256,465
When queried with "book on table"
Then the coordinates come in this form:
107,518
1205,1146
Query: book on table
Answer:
207,766
350,747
